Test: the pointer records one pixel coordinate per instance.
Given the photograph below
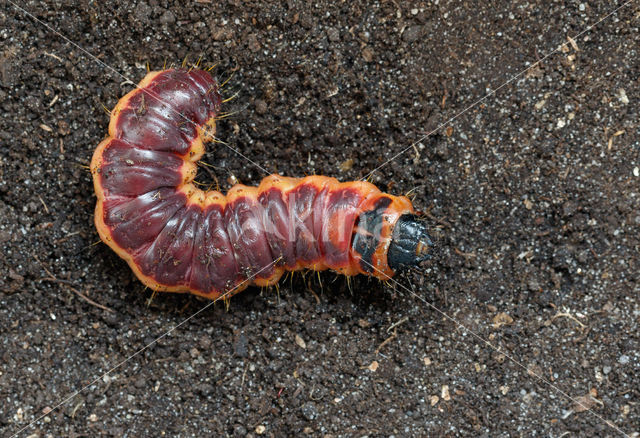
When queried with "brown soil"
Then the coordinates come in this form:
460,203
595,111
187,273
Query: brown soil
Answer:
532,195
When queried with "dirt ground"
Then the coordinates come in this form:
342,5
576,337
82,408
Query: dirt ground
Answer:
527,321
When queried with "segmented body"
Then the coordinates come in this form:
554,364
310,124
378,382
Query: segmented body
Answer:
179,238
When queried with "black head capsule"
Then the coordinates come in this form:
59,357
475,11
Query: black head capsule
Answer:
410,243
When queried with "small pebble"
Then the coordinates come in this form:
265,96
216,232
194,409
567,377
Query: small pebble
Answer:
261,106
300,342
309,411
445,393
168,18
622,95
412,34
367,54
333,34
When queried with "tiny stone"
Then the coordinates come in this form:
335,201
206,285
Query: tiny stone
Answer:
622,95
540,104
445,393
309,411
636,171
239,430
345,167
142,12
333,34
412,34
253,43
15,276
624,359
300,341
582,7
168,18
569,208
442,151
240,346
261,106
367,54
205,389
606,369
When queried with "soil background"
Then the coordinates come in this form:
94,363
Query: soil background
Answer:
527,316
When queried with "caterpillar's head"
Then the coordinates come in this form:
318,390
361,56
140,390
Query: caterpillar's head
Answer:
410,243
389,238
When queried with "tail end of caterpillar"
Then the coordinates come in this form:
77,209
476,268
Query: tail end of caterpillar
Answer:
410,243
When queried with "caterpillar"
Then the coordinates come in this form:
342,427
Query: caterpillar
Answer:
179,238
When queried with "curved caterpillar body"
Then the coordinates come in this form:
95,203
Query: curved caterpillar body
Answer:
179,238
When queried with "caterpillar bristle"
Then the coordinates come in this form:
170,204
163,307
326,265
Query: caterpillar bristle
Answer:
107,110
225,115
218,141
412,194
226,299
236,94
153,295
204,163
227,80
